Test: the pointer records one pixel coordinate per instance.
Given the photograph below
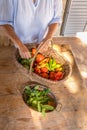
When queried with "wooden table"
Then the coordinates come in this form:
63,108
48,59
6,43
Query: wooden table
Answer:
16,115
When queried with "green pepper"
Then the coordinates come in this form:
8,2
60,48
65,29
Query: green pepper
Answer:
38,99
25,61
27,90
45,100
39,106
48,107
43,112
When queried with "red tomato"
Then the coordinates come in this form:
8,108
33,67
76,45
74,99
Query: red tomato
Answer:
33,51
37,70
44,75
39,57
44,69
58,75
51,75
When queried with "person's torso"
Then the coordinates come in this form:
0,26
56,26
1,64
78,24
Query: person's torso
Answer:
31,20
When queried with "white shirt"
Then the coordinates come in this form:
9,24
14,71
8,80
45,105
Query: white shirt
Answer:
30,21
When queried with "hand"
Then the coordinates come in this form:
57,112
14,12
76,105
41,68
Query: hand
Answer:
24,52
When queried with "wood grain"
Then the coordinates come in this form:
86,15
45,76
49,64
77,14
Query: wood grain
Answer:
16,115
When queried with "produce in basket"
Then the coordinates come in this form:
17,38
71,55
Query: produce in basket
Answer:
39,98
46,67
49,68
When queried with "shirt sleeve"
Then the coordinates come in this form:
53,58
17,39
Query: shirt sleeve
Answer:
57,12
6,12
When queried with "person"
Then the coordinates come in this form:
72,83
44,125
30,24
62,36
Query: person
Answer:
30,21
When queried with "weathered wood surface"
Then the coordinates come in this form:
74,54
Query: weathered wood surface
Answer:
15,115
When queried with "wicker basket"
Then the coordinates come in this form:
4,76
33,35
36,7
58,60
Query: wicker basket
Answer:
41,88
47,50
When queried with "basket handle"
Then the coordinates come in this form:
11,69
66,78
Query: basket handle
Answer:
59,107
41,45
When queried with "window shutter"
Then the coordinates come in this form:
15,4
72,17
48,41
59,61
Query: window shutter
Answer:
75,17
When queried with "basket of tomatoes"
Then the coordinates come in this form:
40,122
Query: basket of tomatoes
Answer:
47,65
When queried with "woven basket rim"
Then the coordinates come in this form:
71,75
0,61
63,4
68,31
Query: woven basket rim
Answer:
34,77
32,85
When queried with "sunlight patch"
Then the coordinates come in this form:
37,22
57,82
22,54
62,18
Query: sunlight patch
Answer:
82,36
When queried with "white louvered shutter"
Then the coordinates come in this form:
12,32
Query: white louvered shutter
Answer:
75,19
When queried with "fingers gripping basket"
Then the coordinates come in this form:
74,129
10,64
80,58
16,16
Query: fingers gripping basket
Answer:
47,50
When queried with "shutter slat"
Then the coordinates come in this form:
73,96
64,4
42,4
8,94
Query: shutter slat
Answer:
76,17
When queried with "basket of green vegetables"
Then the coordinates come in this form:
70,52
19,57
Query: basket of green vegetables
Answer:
40,98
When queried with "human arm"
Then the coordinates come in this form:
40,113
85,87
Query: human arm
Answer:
23,50
52,28
55,21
